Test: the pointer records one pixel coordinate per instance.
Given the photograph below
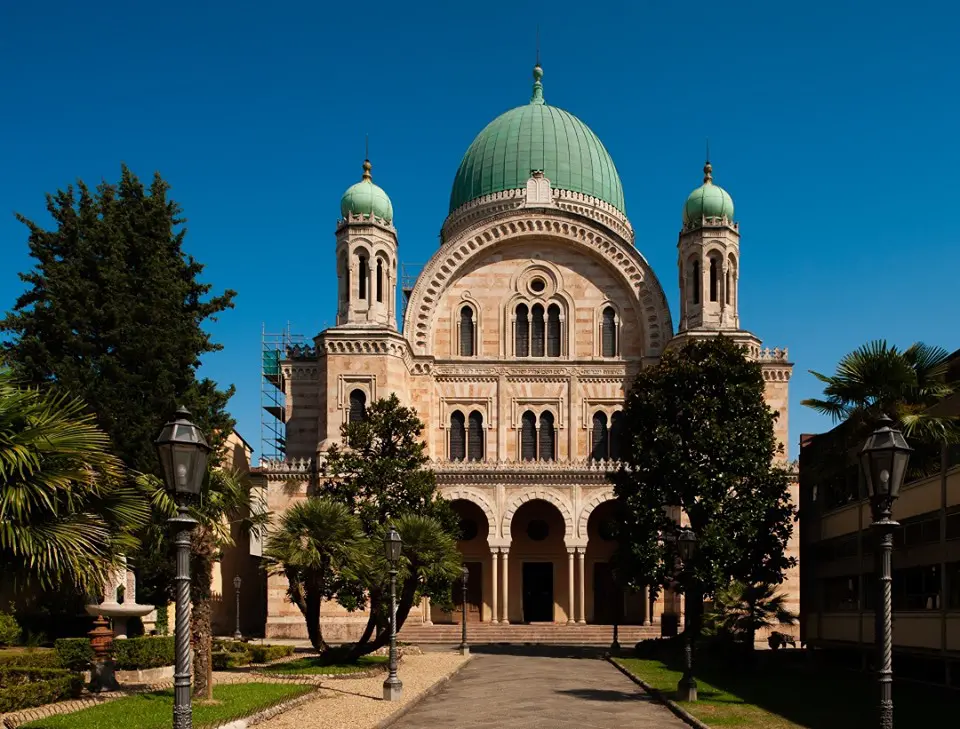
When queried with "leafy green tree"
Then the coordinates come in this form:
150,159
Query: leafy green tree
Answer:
879,378
223,508
114,312
382,477
66,510
320,547
699,440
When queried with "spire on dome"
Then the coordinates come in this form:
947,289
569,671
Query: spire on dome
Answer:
537,97
366,170
708,173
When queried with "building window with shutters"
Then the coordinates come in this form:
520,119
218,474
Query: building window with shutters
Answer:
468,333
695,283
528,437
608,333
538,331
616,435
553,331
358,406
714,279
363,275
547,449
522,344
458,437
475,437
380,280
601,438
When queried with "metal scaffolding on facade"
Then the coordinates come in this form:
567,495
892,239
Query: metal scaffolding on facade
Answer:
274,349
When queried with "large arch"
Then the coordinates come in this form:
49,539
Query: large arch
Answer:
587,509
467,494
633,271
544,495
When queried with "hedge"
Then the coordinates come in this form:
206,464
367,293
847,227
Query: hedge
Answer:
146,652
222,660
267,653
22,688
76,654
39,658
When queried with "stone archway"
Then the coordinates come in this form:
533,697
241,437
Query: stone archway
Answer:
467,494
588,508
547,495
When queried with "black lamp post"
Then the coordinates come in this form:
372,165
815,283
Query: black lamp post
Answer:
883,461
464,648
183,454
237,581
687,686
393,545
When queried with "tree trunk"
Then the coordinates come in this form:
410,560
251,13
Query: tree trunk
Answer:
407,592
202,641
312,602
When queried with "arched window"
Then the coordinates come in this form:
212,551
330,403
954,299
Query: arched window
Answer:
458,437
528,437
380,280
726,289
344,278
358,406
523,331
466,331
475,437
616,435
714,279
601,438
695,282
553,331
363,273
731,280
537,340
609,333
547,439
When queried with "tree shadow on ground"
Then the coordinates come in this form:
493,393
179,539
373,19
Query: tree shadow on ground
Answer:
605,694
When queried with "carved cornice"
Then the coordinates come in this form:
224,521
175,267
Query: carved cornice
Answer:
291,467
444,371
358,219
633,270
299,371
499,468
777,374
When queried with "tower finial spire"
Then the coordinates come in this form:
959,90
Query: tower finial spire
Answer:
537,97
707,167
538,44
366,159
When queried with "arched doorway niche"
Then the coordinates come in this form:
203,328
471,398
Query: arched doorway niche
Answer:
607,603
473,545
538,582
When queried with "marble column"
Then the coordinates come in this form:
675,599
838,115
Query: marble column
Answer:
571,619
505,569
494,563
425,607
582,555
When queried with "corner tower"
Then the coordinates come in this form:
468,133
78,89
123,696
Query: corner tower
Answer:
708,260
366,256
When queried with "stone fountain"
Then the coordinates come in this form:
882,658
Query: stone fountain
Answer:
120,600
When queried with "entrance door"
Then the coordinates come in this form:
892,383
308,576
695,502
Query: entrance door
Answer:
538,592
474,594
607,599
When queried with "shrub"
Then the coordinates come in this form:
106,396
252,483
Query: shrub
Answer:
267,653
21,688
163,620
147,652
222,660
9,629
659,647
43,658
76,654
230,646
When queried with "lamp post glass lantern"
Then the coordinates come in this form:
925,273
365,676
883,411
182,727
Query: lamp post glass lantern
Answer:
883,462
393,547
465,576
687,686
237,581
183,452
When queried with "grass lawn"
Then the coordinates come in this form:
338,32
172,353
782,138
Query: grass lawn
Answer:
154,710
794,697
316,666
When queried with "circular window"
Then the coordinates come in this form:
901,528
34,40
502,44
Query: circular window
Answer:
538,530
537,285
468,530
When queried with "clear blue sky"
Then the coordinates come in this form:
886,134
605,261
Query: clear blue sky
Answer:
834,128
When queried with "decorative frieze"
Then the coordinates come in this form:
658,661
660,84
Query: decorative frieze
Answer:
284,467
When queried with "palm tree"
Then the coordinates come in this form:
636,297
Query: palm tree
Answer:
319,547
880,378
224,504
66,510
740,610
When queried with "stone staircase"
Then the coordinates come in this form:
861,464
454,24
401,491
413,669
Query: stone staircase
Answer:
532,633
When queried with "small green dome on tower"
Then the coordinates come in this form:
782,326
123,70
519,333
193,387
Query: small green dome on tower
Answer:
365,198
536,136
707,201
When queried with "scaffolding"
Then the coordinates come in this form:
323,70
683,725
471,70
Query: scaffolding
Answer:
274,348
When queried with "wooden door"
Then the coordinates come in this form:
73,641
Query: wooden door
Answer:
474,593
607,599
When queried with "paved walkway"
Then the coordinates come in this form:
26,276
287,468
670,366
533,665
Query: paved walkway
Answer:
500,691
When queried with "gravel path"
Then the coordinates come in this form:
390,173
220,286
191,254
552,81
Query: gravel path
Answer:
358,703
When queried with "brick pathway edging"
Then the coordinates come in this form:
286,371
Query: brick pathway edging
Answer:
659,696
425,694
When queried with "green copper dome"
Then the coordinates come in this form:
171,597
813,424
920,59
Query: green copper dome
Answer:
537,137
707,201
365,198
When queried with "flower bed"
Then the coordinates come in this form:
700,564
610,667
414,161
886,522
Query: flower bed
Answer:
22,688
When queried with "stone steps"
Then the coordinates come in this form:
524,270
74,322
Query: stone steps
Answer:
481,633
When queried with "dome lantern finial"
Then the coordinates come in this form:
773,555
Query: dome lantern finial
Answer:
708,173
366,170
537,97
